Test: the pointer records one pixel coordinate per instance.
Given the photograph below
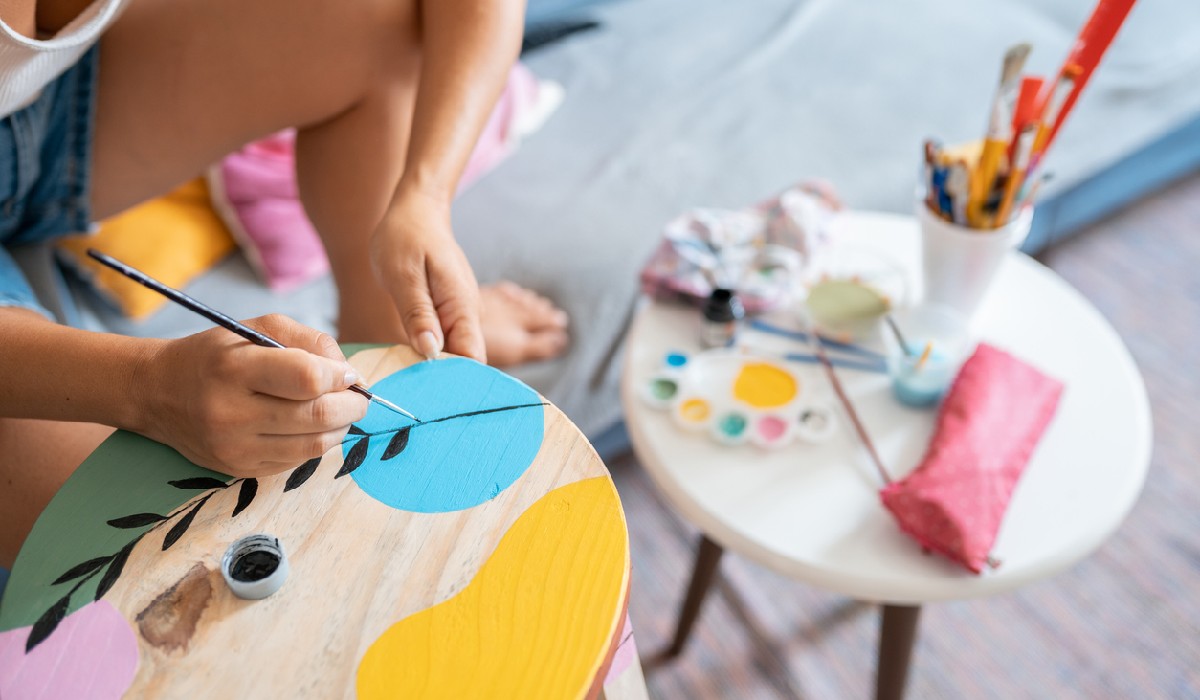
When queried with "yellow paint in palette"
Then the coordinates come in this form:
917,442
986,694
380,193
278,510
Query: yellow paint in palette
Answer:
695,410
527,626
764,385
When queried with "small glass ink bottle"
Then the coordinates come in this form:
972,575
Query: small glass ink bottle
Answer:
723,312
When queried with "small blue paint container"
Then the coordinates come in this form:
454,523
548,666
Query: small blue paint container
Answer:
923,384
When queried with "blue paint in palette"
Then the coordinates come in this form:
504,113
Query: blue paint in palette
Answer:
675,360
452,464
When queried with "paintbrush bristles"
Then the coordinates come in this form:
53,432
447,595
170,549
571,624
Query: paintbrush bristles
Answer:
1014,62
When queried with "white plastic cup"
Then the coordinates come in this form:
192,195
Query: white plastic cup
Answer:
960,262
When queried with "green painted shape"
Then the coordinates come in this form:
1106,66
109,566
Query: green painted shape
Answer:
352,349
126,474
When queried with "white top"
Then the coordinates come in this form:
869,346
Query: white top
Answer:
28,65
813,512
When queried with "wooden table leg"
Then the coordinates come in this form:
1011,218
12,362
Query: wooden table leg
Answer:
897,632
708,556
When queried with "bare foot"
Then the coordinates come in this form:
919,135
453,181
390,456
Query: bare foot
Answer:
519,325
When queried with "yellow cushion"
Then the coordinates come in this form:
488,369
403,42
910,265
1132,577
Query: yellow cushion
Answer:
174,239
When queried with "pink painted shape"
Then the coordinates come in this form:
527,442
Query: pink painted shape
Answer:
93,654
626,652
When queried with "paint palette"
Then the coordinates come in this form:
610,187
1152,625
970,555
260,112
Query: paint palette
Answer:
738,399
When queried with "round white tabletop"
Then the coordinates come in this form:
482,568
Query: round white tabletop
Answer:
813,512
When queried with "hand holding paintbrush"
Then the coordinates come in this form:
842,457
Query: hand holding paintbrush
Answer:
247,410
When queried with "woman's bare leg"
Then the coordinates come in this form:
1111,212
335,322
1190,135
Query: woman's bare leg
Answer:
183,82
37,458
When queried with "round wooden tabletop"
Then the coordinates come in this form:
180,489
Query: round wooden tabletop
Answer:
813,511
480,553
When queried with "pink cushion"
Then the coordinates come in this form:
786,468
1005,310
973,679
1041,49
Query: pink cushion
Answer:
254,189
989,425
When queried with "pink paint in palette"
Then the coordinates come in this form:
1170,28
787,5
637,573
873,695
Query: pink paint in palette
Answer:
737,399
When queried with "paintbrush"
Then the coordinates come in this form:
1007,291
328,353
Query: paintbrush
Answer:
899,336
999,124
849,407
221,319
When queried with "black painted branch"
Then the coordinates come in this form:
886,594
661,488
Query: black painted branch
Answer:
414,426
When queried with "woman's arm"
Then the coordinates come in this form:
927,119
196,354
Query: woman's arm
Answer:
222,402
59,373
468,48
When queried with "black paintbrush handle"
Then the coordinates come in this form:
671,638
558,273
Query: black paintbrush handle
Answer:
185,301
192,305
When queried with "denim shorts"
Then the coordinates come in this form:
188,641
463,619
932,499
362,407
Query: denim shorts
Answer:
45,161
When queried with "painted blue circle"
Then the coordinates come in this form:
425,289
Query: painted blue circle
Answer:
449,463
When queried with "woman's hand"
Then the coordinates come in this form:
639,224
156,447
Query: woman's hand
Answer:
246,410
421,266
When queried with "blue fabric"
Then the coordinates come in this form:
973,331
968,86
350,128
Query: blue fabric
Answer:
3,581
45,152
538,12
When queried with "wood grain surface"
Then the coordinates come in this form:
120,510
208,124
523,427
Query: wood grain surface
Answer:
359,568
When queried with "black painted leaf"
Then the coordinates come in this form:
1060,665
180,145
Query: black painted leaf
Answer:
47,623
355,430
301,473
245,495
397,444
113,572
354,458
202,483
137,520
182,525
83,569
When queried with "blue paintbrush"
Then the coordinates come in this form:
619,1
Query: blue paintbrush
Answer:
221,319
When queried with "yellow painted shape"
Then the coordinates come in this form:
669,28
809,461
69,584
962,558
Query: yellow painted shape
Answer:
537,620
695,410
763,385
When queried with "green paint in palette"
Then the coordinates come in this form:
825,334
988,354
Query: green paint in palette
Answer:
664,389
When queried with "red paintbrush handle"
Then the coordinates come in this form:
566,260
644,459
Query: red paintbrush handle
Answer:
1094,39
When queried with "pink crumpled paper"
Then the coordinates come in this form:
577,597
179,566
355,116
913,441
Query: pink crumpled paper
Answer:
989,425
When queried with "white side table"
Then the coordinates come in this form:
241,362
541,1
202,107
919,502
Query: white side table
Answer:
813,512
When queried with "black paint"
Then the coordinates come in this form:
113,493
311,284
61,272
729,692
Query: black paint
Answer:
397,444
301,474
181,526
246,495
355,457
254,565
136,520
